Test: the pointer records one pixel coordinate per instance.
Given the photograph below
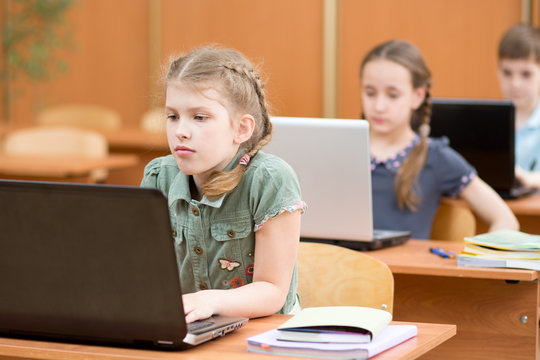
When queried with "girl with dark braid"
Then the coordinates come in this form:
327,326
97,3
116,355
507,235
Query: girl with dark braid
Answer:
235,210
410,171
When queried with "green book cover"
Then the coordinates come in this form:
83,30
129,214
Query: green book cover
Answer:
507,240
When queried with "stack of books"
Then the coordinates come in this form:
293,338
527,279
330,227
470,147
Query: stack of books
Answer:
333,332
505,249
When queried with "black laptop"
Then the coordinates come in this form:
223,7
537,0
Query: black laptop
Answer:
483,132
93,263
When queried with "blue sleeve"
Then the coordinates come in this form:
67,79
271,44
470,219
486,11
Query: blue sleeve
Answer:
453,172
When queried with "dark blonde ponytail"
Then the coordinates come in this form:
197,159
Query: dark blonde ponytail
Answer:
407,55
241,84
409,170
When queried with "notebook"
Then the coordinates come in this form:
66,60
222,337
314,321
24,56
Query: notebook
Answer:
93,263
483,132
331,159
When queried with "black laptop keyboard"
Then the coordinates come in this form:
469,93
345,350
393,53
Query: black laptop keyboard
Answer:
199,325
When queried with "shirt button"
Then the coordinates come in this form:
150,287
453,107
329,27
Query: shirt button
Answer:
195,211
231,233
203,287
173,232
198,250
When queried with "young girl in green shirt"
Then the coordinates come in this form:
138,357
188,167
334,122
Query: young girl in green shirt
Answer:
235,210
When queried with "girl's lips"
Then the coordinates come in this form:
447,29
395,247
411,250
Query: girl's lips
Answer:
183,151
378,120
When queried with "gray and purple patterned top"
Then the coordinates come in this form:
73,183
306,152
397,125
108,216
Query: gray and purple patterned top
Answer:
445,173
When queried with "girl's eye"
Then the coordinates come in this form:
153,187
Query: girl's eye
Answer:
507,73
369,93
172,117
393,95
526,74
200,117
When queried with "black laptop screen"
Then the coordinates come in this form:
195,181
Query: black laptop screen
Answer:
482,131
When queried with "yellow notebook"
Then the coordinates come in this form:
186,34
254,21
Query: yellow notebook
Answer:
335,324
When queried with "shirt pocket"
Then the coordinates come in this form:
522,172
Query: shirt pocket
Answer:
233,243
231,228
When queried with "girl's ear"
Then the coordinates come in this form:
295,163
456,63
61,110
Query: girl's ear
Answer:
244,129
419,94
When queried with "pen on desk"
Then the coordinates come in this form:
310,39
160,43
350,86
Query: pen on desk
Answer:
442,253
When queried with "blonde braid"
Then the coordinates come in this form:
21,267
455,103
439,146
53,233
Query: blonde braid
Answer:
222,182
408,173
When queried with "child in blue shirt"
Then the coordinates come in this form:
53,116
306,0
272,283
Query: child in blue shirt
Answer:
519,78
235,210
411,172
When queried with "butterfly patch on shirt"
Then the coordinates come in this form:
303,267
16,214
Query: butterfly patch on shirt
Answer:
228,264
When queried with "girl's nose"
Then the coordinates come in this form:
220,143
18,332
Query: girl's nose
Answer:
182,130
380,103
515,81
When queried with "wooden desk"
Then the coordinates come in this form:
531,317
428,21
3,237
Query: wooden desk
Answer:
133,140
487,305
72,169
230,347
136,138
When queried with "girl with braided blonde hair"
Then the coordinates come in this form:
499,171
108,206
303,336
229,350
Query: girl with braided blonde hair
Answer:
235,211
410,171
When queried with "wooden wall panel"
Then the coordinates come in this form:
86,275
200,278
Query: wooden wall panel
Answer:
535,13
109,66
284,37
2,109
457,38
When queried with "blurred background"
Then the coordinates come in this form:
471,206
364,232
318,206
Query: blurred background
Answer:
109,53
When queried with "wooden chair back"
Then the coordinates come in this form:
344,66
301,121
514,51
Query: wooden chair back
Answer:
330,275
453,222
83,115
58,141
154,120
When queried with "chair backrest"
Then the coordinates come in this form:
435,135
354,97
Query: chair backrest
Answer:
330,275
154,120
58,141
453,222
83,115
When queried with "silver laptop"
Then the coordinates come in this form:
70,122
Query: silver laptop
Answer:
331,159
93,263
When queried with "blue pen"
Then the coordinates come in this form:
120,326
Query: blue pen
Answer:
442,253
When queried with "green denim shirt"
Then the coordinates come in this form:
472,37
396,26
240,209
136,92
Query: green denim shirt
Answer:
215,240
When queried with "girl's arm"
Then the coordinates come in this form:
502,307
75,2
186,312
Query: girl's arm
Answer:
489,206
276,247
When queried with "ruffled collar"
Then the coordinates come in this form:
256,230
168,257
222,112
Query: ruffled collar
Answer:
394,162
